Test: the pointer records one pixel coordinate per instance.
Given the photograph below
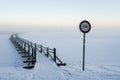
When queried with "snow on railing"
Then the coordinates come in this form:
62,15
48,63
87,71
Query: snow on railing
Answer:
28,51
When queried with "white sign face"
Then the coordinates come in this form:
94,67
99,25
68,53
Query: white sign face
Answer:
85,26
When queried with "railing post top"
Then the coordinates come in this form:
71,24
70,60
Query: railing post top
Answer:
35,45
41,45
30,42
54,50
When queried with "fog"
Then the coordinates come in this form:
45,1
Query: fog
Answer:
19,29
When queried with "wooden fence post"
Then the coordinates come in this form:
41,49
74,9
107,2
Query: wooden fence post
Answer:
47,51
22,44
25,46
41,48
35,53
55,55
28,47
32,56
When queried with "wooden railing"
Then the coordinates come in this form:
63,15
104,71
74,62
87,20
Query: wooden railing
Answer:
48,52
28,51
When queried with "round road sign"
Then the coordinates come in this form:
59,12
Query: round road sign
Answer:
85,26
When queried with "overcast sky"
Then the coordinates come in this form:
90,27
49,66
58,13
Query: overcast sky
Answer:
19,14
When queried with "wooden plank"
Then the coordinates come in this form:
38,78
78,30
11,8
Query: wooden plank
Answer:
61,64
28,67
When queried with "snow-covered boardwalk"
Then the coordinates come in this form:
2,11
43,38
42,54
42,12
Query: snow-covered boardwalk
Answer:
11,65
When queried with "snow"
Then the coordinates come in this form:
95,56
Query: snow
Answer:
102,56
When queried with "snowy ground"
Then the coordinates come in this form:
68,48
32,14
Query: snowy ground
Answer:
102,56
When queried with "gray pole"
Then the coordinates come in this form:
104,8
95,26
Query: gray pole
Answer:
83,67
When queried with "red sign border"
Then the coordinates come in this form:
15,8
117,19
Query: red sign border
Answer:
82,23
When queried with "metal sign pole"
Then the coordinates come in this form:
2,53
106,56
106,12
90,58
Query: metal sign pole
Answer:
83,68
